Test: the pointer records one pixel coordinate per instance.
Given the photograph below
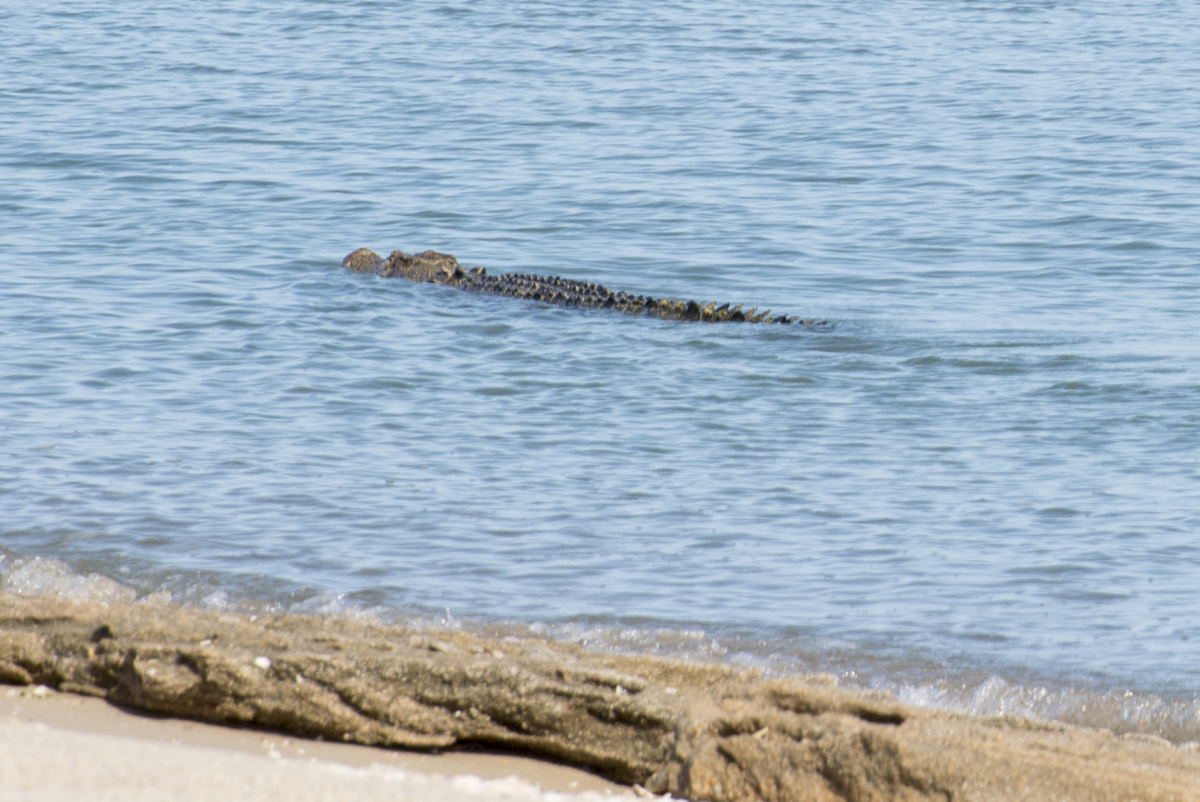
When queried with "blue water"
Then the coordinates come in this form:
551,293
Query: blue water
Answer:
978,489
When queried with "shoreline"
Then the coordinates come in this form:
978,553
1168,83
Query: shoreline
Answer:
694,731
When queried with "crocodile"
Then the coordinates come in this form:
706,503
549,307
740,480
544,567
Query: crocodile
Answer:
442,268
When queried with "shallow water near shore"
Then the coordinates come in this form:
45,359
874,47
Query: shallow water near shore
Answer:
977,489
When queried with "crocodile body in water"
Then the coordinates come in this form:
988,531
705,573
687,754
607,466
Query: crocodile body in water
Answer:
442,268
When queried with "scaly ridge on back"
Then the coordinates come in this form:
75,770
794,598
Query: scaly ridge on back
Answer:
442,268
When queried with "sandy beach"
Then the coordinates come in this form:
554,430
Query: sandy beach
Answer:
104,699
56,746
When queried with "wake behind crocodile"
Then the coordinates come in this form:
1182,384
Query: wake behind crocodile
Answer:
442,268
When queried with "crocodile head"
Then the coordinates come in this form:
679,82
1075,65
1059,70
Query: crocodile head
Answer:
364,260
441,268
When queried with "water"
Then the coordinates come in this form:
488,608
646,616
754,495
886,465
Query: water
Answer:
978,489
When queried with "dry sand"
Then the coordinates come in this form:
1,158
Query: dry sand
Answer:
78,749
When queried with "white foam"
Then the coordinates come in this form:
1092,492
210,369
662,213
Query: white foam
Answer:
41,576
1121,711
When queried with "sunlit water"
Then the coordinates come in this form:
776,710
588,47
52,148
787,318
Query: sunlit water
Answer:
979,488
